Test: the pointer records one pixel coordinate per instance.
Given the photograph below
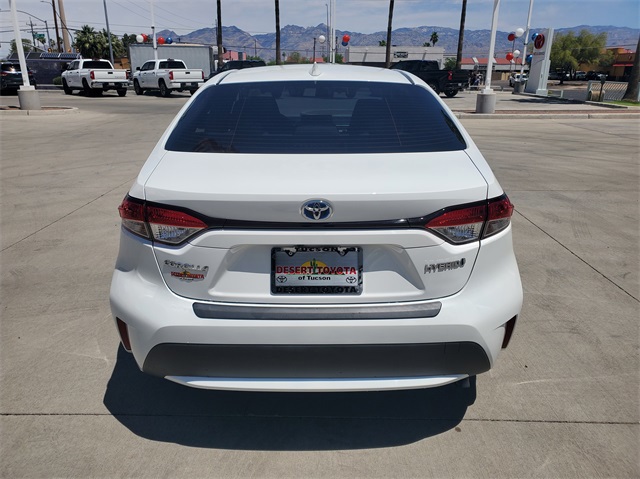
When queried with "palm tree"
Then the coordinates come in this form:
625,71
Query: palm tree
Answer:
389,26
219,34
632,88
434,38
278,57
89,43
463,15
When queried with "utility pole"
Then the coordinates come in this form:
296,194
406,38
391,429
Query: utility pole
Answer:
219,34
33,36
65,30
55,22
463,16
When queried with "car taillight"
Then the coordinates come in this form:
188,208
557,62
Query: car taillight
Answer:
450,76
471,223
171,76
157,223
461,225
132,215
92,75
202,73
500,212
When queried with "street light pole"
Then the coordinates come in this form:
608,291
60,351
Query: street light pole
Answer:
153,32
486,99
27,94
46,25
106,17
526,39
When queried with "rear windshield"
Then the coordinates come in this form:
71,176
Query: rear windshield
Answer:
97,65
315,117
172,64
11,67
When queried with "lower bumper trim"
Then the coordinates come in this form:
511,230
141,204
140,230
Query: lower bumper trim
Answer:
314,361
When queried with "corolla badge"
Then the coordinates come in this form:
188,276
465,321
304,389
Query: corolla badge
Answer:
316,210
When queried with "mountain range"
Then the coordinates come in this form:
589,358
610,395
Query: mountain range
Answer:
294,38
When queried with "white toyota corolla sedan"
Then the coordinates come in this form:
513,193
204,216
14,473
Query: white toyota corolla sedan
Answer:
315,228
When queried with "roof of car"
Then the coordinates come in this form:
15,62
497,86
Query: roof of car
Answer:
313,72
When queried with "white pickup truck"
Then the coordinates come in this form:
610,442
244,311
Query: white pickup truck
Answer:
166,75
94,77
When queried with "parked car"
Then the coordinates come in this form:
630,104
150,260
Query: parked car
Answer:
315,228
580,75
238,65
597,76
516,78
94,77
449,82
11,77
167,75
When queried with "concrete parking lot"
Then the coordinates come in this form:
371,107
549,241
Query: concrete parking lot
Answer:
562,401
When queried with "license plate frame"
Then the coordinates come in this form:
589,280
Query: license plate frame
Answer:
316,270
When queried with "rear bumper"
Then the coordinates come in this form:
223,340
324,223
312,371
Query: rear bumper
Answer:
110,85
310,347
185,85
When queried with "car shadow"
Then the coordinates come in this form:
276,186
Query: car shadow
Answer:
160,410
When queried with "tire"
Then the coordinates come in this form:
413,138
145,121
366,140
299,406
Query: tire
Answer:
65,87
85,88
137,88
164,91
450,93
122,91
434,87
193,92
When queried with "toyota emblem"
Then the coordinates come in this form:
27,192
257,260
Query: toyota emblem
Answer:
316,210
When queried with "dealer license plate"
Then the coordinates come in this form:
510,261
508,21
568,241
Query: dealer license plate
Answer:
316,270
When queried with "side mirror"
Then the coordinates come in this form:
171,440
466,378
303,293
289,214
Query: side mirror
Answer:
137,69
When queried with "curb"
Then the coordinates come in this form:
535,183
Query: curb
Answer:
547,116
48,111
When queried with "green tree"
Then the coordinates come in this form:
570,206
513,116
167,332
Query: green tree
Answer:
27,46
91,44
450,64
119,50
426,44
606,60
295,57
382,43
434,38
569,50
128,39
590,46
563,53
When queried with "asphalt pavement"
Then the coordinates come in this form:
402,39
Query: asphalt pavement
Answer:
563,401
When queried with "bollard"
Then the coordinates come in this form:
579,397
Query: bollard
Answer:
29,98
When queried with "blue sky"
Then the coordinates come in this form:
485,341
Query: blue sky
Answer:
364,16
